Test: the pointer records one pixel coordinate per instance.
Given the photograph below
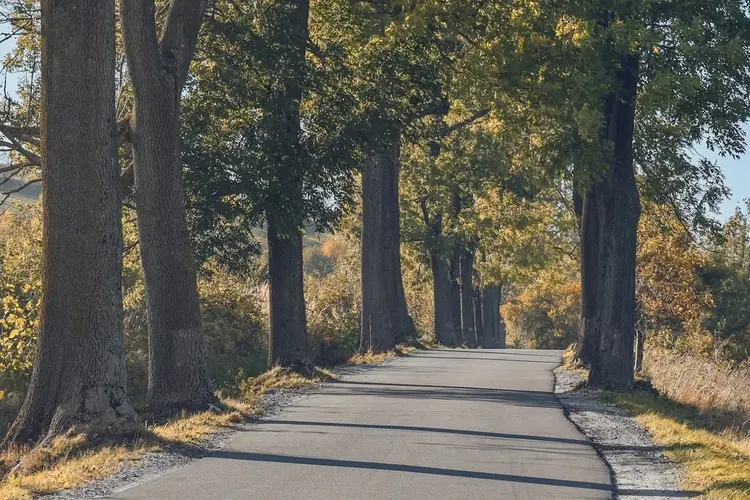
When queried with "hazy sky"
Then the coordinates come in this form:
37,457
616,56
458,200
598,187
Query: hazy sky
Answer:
737,177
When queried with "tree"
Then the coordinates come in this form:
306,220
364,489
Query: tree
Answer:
158,69
385,318
79,374
660,87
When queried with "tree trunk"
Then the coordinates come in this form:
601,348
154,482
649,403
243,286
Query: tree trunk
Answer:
385,318
445,332
79,376
285,213
617,209
455,276
467,296
288,341
501,330
478,317
455,272
491,315
178,375
590,286
640,347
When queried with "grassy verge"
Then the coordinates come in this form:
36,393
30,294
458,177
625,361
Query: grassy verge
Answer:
72,461
716,460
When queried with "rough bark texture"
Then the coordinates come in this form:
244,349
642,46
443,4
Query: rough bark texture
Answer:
385,318
288,342
178,375
467,296
590,275
614,204
79,374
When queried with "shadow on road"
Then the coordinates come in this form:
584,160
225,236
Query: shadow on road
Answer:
538,399
437,471
463,432
417,469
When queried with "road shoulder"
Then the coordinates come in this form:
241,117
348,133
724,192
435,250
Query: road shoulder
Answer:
638,466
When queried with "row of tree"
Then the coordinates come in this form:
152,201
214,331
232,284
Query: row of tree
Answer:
267,117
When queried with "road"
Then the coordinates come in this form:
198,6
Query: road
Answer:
442,424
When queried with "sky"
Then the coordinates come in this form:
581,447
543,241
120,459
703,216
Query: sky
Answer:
736,177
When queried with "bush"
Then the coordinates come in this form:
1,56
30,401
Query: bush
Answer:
333,302
545,314
20,292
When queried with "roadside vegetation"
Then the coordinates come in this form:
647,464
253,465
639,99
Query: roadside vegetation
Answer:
464,174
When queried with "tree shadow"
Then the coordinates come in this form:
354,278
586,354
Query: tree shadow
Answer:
536,399
410,428
416,469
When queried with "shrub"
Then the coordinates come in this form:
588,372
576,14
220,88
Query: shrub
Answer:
545,314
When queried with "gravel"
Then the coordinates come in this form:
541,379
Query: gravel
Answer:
638,466
154,464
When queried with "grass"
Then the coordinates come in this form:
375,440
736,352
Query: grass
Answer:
374,358
74,460
715,458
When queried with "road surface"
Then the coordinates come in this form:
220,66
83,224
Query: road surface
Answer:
442,424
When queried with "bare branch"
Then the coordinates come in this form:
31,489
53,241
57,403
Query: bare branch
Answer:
468,121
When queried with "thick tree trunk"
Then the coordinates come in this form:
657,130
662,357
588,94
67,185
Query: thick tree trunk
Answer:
79,373
445,331
590,275
385,318
617,208
288,345
491,316
288,341
178,375
467,296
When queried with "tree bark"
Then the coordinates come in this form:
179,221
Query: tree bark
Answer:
178,374
79,376
385,318
288,342
467,296
445,331
454,271
285,212
616,207
478,315
491,315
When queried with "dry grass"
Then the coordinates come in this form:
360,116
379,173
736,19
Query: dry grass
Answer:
374,358
718,392
716,462
72,461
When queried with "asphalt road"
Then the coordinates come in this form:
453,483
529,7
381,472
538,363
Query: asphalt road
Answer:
453,424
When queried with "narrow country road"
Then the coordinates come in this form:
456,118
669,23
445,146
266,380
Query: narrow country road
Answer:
451,424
